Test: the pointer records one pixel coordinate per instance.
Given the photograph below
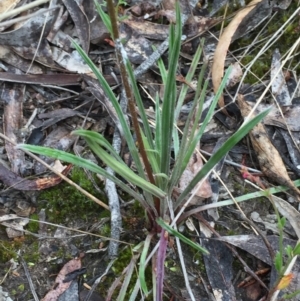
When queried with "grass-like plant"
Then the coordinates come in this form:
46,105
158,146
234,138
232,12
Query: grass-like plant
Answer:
155,176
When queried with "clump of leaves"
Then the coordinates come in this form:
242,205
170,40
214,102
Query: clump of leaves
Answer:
157,146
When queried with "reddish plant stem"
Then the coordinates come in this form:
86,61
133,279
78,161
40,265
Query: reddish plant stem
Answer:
131,106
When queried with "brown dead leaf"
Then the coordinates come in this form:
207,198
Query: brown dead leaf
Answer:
138,48
70,61
279,86
60,138
44,79
13,97
269,159
253,291
41,54
198,25
60,285
235,75
8,56
7,5
11,179
81,23
223,45
31,31
290,119
147,29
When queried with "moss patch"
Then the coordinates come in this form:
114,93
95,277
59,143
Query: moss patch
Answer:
9,249
64,202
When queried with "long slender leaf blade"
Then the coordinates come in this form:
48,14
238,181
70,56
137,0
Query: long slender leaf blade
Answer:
108,91
185,145
188,78
162,70
140,104
135,291
188,148
105,17
172,231
220,153
124,171
184,89
99,139
81,162
127,278
169,99
158,136
142,268
152,155
214,103
196,138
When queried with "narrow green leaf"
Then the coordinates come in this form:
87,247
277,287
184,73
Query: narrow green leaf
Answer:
162,71
124,171
278,262
121,116
289,251
142,268
196,138
104,16
127,278
189,77
220,153
99,139
64,156
188,143
153,158
189,242
158,136
182,95
140,104
135,291
169,99
296,250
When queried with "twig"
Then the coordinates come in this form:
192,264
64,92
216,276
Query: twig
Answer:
114,204
36,298
146,65
22,8
24,18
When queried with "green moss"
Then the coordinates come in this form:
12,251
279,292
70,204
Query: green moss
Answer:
33,225
13,292
65,202
31,253
105,230
123,260
231,232
9,249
